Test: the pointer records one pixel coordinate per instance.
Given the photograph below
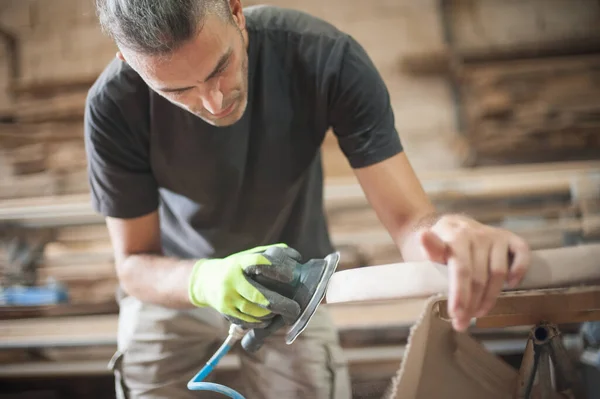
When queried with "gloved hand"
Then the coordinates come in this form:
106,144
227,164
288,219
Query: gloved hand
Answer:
225,285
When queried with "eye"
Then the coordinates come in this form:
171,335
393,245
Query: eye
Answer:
223,68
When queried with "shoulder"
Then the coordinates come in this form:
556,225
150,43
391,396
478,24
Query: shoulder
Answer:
117,103
307,42
289,21
118,86
295,29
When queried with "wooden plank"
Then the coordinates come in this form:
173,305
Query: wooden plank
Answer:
56,369
62,310
67,155
75,258
58,249
77,272
481,27
557,117
482,182
36,185
21,133
66,106
558,306
478,183
570,266
59,331
81,233
376,236
363,216
27,159
50,87
74,181
50,211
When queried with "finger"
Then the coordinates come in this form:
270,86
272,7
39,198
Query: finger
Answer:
279,270
435,249
521,254
275,302
249,292
247,325
261,249
278,254
498,272
244,318
460,274
252,309
481,257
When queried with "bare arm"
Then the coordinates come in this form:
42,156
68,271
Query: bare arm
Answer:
477,255
142,269
396,195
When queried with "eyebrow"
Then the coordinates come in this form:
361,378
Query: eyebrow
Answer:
222,62
174,89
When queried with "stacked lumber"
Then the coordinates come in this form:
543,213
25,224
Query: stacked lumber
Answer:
42,159
526,94
521,111
550,205
535,110
46,69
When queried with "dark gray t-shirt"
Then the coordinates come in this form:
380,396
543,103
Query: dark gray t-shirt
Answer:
220,190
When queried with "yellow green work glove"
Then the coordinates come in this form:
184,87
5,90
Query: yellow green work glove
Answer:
225,285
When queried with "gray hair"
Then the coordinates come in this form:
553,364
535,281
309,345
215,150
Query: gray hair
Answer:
156,26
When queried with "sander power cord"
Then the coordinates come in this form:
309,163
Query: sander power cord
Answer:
236,333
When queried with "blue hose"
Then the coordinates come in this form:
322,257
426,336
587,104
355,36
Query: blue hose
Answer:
196,384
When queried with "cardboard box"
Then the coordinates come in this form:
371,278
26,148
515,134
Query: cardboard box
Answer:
442,363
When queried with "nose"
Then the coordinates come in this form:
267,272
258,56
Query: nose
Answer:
212,101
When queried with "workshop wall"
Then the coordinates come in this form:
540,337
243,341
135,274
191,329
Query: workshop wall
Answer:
512,74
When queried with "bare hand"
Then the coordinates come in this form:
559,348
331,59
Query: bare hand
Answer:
480,258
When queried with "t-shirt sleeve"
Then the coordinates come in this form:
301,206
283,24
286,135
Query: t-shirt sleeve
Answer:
359,109
119,173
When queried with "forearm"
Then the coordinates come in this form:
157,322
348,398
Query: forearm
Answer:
156,279
409,238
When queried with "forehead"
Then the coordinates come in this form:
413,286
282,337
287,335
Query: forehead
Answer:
193,60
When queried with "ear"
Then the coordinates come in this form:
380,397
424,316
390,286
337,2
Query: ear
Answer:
237,11
120,56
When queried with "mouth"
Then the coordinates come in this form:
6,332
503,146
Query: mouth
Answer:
226,111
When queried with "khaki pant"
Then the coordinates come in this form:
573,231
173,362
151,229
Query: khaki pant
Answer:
160,350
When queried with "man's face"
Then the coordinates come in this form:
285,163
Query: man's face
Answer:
208,76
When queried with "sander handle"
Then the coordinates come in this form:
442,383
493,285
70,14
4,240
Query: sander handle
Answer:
255,338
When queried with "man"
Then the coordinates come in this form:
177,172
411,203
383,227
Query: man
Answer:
203,140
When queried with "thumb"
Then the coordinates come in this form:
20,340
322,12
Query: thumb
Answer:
434,248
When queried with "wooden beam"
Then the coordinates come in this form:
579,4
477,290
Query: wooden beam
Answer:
482,182
13,134
59,331
550,268
65,107
557,306
49,87
475,184
87,309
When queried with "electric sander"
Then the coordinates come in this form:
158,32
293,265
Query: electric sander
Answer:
307,288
